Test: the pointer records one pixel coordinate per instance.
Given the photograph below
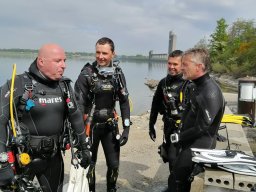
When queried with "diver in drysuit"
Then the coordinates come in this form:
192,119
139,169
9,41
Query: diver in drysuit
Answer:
201,118
168,101
40,97
99,86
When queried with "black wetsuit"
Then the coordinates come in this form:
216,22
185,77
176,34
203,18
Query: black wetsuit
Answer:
200,123
103,91
45,122
161,103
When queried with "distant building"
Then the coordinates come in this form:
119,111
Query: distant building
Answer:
150,54
172,42
164,56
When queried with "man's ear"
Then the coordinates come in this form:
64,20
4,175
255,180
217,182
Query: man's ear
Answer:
199,66
40,62
114,54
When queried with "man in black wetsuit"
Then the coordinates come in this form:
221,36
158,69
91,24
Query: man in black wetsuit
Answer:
97,89
44,100
167,101
201,118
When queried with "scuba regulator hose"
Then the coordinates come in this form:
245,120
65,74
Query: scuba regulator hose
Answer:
24,158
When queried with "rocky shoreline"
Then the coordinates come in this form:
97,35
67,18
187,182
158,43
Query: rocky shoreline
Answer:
226,81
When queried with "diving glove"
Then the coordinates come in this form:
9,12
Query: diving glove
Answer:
124,136
152,132
85,156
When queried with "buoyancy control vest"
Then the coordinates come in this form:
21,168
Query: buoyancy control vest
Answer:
174,102
101,82
43,100
99,88
50,104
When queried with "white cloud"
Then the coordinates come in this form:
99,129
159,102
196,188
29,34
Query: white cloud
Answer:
135,26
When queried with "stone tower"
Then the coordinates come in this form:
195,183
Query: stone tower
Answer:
172,42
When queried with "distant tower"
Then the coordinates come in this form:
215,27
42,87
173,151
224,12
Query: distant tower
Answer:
172,42
150,54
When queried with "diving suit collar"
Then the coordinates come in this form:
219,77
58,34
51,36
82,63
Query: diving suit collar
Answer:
201,79
174,77
34,71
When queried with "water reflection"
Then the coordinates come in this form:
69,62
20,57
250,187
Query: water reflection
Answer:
136,74
152,65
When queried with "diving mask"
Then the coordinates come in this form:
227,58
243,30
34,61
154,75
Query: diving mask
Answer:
106,71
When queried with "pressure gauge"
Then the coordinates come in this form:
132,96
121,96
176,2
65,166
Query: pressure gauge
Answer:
3,157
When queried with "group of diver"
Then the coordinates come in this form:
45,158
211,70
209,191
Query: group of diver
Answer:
41,116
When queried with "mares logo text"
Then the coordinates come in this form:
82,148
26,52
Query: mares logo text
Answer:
50,100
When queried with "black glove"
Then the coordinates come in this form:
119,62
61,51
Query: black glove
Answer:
152,132
85,156
124,136
6,174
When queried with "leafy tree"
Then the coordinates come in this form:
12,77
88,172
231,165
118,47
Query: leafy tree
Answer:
219,38
234,52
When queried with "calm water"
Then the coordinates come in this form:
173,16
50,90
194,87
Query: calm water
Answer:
136,75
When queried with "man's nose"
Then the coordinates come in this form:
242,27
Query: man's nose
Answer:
63,64
101,56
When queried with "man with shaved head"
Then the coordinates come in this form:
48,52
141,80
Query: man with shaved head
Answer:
51,61
44,102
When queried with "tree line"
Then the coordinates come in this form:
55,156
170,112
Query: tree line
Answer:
232,48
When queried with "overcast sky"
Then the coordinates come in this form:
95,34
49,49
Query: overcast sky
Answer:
136,26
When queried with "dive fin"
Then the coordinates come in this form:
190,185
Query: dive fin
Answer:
229,160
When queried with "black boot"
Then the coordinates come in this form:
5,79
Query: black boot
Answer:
112,175
91,178
182,186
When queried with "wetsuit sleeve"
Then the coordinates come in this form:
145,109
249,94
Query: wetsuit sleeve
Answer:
76,118
4,116
5,108
82,89
124,101
156,104
210,110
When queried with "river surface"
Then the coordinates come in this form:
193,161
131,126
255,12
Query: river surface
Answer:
136,74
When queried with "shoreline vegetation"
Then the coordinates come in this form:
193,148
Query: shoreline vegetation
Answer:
30,53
